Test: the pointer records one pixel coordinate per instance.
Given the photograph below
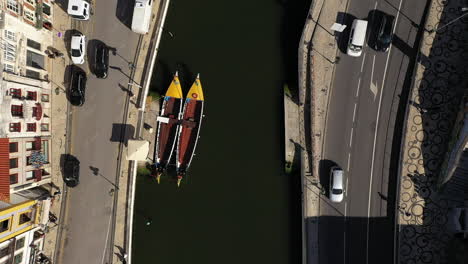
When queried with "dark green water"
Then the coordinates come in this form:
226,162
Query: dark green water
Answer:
237,205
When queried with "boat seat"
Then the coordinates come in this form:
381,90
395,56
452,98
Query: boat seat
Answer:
188,123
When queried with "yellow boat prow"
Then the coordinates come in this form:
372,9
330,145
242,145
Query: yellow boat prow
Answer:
196,92
175,90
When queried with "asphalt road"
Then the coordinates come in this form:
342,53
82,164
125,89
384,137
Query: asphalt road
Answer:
358,137
95,135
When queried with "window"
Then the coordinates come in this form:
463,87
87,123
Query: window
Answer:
31,127
13,147
25,217
17,110
9,51
35,60
44,127
33,44
31,2
15,127
15,93
4,225
31,96
13,163
30,145
14,178
34,113
10,35
29,15
4,251
46,9
19,243
45,150
18,258
29,175
44,97
33,74
12,5
8,67
28,161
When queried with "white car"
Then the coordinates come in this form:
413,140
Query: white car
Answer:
78,9
336,184
78,48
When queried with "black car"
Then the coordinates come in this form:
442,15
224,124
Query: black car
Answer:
101,63
77,86
71,171
383,32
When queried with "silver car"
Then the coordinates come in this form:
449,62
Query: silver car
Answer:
336,184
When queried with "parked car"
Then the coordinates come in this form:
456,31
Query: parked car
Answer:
336,184
77,86
101,63
141,16
383,32
78,48
357,38
78,9
71,169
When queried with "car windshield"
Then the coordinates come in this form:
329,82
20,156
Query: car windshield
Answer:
355,48
337,191
75,53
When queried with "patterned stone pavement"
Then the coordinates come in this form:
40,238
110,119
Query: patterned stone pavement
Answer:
434,101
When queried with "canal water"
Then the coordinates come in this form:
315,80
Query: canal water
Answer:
237,205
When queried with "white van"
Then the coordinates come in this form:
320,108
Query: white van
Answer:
78,9
141,16
357,38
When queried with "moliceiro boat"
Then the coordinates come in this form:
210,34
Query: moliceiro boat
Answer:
168,127
190,122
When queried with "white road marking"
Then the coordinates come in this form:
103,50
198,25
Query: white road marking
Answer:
349,161
354,112
373,87
358,85
363,60
375,138
375,6
351,137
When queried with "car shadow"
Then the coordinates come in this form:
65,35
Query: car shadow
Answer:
324,174
63,4
343,37
124,12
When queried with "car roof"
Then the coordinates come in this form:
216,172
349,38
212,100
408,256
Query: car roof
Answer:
75,41
337,175
360,28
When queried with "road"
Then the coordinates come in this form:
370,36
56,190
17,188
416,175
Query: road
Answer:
95,136
359,132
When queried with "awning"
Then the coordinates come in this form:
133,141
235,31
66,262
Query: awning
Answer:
137,149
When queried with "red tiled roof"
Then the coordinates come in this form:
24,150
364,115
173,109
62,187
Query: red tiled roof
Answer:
5,169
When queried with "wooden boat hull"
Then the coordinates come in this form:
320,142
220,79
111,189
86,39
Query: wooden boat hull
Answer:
168,126
190,123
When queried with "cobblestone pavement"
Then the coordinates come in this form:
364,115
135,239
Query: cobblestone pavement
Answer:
434,102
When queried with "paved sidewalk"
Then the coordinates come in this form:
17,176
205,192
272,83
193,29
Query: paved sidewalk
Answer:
59,128
438,87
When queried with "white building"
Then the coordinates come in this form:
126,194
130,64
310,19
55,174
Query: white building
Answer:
24,43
